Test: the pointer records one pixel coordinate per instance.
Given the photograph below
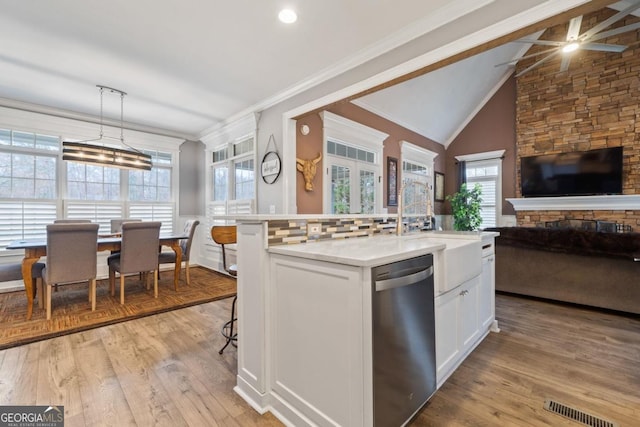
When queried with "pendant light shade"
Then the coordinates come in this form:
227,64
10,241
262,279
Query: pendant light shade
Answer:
124,158
105,156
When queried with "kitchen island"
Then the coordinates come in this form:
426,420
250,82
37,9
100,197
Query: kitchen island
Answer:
305,317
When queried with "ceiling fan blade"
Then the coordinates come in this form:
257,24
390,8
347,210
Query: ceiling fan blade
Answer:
526,57
574,28
564,65
603,47
615,32
542,61
541,42
607,22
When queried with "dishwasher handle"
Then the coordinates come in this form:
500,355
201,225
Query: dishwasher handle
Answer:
383,285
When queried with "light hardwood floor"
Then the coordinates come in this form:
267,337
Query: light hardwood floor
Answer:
165,370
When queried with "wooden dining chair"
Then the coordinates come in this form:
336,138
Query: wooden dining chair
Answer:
72,253
227,235
138,254
185,246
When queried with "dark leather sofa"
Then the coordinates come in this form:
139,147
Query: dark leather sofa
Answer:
577,266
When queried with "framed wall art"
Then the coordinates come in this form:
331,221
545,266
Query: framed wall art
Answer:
392,181
438,187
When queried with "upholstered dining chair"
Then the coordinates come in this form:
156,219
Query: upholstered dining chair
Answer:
72,252
227,235
116,224
13,271
138,254
185,245
70,221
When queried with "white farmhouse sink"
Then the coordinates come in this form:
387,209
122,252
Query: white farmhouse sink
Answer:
460,261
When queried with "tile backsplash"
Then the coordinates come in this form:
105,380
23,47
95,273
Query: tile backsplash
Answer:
283,232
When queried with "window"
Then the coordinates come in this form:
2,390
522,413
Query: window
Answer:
239,158
353,166
485,169
486,174
97,193
417,169
414,198
150,197
353,179
153,185
28,184
90,182
231,180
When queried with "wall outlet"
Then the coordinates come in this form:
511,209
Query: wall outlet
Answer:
314,229
272,209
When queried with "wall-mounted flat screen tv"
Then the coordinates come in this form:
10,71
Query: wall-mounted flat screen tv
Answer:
579,173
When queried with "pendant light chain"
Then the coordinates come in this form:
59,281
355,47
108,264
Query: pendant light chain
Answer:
101,112
126,157
122,117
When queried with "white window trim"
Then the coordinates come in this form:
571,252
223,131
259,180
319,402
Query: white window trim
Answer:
488,155
414,153
343,130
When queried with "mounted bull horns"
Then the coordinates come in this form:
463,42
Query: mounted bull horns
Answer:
308,169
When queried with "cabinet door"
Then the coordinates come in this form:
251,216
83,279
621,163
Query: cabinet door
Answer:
447,332
468,296
486,295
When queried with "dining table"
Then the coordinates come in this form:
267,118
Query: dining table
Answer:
34,249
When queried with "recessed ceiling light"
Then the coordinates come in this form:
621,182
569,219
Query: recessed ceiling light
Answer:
287,16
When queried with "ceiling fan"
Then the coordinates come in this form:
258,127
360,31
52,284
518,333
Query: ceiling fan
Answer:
576,41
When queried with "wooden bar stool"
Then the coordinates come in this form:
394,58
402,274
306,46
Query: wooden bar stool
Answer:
226,235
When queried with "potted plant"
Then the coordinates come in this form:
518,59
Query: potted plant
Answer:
466,208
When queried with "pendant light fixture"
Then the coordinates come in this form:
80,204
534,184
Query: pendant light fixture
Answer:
124,158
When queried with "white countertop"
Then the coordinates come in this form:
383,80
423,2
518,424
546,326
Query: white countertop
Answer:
377,250
362,251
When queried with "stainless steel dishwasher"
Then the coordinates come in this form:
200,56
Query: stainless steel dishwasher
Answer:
404,356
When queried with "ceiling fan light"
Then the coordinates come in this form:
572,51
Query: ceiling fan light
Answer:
570,47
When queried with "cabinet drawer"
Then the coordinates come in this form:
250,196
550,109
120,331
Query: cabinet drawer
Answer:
488,248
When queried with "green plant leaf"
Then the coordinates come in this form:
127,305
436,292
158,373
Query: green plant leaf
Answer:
465,205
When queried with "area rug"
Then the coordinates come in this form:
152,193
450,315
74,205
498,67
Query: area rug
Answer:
71,310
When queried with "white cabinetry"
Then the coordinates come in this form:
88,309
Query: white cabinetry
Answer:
465,315
486,306
457,327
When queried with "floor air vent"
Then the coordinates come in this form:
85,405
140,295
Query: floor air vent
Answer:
577,415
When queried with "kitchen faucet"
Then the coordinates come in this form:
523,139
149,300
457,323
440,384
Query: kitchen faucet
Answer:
401,206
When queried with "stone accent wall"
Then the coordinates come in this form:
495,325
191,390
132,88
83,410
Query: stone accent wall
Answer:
539,218
595,104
